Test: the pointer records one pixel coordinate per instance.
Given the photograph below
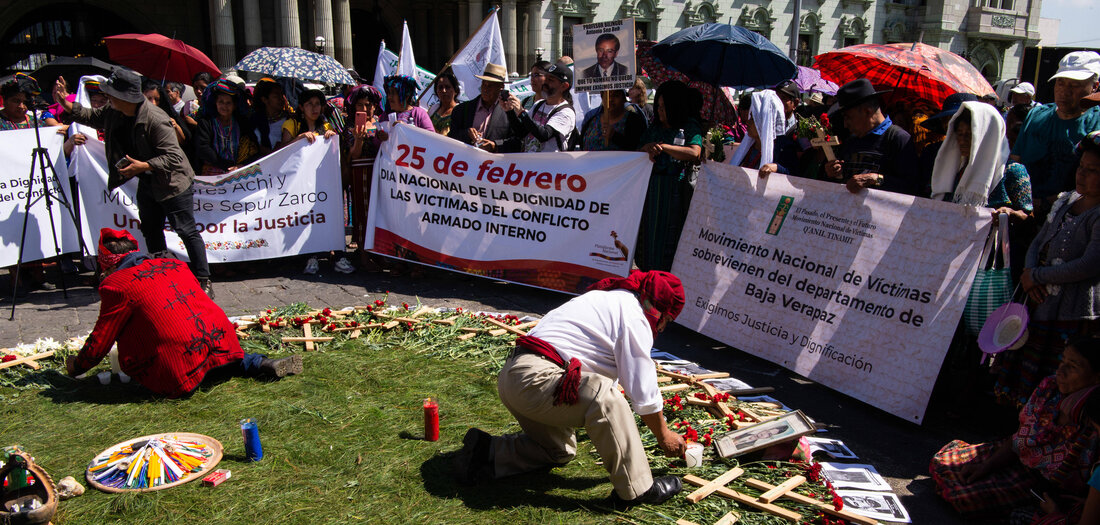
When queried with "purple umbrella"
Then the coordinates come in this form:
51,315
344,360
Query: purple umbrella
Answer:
809,80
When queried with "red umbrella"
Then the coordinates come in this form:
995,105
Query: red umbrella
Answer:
913,70
159,57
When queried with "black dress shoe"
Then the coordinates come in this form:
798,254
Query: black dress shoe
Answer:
662,489
472,464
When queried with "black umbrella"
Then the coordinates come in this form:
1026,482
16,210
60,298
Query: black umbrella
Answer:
70,68
725,55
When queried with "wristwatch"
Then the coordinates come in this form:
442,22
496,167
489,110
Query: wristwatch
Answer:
879,180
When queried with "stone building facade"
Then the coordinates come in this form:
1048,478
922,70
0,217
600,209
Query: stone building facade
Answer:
992,34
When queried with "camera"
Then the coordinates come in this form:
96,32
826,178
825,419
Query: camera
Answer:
505,95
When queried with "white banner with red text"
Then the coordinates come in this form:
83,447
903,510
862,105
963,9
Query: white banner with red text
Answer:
859,292
17,182
553,220
286,203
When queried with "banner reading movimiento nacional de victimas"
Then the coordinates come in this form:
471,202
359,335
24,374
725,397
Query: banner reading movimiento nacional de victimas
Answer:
859,292
552,220
286,203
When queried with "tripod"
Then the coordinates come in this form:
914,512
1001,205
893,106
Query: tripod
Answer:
40,157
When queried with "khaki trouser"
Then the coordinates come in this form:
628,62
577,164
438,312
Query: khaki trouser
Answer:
526,385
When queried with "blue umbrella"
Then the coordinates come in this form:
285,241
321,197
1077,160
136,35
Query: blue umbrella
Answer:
725,55
295,62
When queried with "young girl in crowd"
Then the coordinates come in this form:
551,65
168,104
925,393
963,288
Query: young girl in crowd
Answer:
309,122
400,105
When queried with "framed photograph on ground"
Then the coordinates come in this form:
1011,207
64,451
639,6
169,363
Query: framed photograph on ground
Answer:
883,506
834,448
854,476
763,435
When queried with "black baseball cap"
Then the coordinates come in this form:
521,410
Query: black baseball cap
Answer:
561,72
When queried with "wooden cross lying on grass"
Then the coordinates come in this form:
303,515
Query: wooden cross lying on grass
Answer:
771,493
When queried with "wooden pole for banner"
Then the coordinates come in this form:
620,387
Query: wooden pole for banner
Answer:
461,48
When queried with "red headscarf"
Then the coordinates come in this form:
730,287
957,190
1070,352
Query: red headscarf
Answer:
663,290
106,258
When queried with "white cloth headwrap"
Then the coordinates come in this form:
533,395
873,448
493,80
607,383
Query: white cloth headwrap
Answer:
767,116
988,156
85,100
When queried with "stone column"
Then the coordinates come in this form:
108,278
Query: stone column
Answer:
225,53
508,33
463,12
534,31
423,31
477,13
446,18
289,34
252,27
341,25
322,25
556,43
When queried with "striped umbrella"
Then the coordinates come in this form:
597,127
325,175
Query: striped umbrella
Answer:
913,70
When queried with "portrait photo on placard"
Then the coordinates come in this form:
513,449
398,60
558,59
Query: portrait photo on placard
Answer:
878,505
603,55
763,435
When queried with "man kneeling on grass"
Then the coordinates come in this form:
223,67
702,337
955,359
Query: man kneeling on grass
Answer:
564,374
170,334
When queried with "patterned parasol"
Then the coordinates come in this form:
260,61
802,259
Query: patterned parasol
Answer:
294,62
913,70
717,106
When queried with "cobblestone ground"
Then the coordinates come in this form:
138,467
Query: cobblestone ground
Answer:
898,449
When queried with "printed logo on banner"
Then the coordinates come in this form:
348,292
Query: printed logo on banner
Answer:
617,252
780,215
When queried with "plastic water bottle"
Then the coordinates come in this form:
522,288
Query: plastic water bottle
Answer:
679,140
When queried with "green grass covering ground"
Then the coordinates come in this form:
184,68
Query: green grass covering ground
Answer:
341,441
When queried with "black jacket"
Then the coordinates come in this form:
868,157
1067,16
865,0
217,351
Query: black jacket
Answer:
499,129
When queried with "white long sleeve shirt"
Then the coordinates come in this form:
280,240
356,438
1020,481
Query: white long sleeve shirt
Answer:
608,332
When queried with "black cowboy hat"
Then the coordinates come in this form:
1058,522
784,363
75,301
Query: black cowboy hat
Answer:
853,93
951,105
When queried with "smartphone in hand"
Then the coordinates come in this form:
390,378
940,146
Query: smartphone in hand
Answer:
122,163
360,119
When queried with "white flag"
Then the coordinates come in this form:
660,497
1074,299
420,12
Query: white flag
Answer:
485,47
387,62
387,65
406,64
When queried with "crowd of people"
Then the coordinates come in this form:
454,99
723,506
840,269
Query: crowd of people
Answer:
1036,164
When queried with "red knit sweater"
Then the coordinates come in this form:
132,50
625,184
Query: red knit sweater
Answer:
169,332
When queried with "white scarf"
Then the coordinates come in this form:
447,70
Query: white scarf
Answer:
988,156
767,116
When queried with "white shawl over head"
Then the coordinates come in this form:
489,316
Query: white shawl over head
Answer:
767,116
988,156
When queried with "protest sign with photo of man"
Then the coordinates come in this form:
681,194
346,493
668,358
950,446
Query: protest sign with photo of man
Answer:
604,55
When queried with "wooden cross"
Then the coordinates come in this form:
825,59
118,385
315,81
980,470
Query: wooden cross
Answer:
825,143
744,499
822,506
27,360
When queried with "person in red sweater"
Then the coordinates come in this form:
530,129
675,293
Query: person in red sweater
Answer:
170,334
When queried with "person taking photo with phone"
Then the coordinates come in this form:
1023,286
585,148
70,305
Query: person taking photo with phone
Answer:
141,142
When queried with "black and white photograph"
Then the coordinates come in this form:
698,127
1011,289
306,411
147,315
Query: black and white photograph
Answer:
833,448
763,435
854,476
604,55
878,505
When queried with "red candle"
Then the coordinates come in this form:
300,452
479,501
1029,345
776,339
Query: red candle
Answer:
431,420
